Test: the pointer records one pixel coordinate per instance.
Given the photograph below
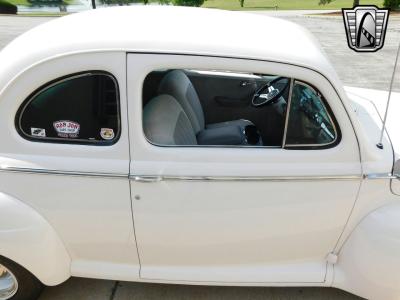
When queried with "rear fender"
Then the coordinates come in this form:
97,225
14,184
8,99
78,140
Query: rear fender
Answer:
29,240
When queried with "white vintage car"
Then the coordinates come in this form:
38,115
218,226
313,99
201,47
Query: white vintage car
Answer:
193,146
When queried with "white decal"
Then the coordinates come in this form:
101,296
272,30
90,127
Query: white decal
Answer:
38,132
107,133
67,129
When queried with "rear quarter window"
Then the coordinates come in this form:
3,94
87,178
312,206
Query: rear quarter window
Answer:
81,108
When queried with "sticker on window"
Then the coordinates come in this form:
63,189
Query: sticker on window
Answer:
40,132
67,129
107,133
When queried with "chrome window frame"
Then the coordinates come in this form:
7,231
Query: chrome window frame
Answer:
60,140
283,145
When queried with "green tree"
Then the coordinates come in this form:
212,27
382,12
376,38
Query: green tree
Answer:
7,8
393,4
188,2
121,2
241,3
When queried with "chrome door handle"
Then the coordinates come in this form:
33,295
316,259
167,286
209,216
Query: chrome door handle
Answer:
147,179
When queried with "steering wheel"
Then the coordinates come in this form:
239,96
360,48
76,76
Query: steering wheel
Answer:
268,93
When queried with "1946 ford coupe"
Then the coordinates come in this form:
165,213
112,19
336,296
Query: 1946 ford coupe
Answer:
171,145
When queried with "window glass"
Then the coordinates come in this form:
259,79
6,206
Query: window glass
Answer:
309,122
214,108
186,107
83,108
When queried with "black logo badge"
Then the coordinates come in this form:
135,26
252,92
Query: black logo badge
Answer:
365,27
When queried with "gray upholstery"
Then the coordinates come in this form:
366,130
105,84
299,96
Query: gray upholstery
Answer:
178,85
221,136
206,136
165,122
241,123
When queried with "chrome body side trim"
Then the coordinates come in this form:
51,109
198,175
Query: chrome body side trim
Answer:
158,178
148,178
382,176
59,172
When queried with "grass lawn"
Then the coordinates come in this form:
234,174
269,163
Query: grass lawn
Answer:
25,2
284,4
4,2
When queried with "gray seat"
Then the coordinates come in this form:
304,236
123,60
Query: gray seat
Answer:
177,84
241,123
166,123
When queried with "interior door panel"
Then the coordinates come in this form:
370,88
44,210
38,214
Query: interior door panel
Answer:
212,88
231,102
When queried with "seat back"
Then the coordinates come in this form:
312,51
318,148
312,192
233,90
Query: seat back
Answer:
177,84
166,123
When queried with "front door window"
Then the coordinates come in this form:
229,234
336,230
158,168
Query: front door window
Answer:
225,109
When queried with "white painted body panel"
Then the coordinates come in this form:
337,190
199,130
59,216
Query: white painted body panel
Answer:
379,100
238,231
91,215
269,232
370,120
27,238
368,261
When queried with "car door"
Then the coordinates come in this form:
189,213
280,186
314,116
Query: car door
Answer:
238,215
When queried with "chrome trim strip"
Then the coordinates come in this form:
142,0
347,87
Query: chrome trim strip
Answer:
287,112
381,176
146,179
149,178
59,172
158,178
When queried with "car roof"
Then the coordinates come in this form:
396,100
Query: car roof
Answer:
168,29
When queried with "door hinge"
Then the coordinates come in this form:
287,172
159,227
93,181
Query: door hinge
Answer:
332,258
